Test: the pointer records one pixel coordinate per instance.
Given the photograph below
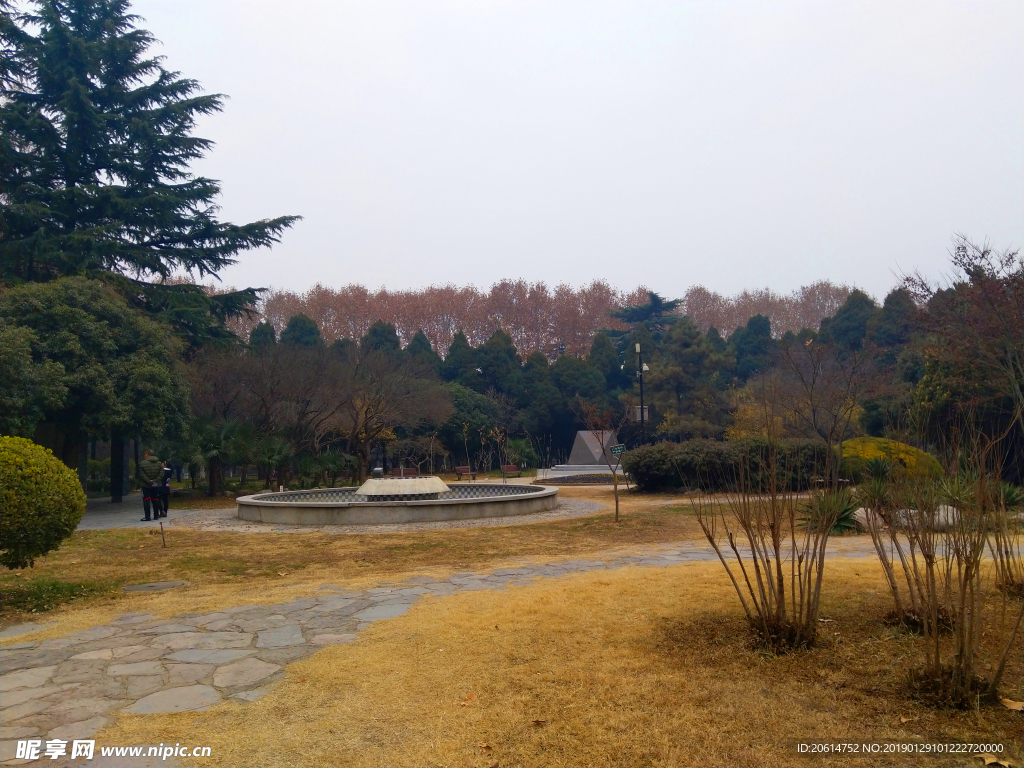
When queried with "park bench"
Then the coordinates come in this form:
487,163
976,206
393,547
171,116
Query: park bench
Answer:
460,471
509,469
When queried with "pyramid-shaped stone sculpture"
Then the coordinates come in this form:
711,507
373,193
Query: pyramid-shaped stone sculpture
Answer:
587,448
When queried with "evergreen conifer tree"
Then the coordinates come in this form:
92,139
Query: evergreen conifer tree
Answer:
460,363
500,365
420,348
95,146
262,336
605,360
380,336
849,326
301,331
344,347
753,346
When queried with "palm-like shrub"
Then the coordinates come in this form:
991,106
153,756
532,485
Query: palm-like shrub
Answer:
334,463
274,453
42,502
309,470
836,508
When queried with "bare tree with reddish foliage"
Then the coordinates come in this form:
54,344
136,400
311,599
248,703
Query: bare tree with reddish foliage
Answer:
803,308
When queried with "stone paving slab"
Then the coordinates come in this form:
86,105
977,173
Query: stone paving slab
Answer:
143,664
184,699
30,678
243,673
280,637
198,656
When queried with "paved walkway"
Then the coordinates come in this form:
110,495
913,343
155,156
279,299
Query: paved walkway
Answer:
70,687
103,513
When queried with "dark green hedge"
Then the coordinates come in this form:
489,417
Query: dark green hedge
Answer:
712,465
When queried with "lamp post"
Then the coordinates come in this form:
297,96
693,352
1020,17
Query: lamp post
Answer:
640,369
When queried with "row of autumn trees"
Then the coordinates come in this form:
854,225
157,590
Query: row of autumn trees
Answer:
537,319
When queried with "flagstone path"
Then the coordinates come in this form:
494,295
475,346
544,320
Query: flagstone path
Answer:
70,687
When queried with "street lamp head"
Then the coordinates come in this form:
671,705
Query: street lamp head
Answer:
646,369
638,347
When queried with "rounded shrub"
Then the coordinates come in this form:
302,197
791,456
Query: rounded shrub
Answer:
901,458
712,465
41,501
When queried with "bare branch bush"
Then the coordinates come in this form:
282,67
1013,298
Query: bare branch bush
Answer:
950,521
896,548
777,559
1005,540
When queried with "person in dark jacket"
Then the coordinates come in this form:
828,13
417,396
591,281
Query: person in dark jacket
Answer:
151,471
165,489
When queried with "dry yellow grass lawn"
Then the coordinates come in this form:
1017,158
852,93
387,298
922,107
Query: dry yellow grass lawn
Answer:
630,667
239,568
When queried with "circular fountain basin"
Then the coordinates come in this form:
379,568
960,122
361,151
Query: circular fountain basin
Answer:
348,506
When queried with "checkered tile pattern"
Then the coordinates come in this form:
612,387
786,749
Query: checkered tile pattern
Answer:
349,495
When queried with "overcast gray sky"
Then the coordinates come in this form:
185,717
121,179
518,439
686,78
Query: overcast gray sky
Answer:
734,145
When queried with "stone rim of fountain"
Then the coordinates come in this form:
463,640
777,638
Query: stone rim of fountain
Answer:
343,506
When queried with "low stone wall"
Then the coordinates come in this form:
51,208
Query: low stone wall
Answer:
264,509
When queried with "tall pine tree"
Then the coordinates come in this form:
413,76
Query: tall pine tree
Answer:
95,148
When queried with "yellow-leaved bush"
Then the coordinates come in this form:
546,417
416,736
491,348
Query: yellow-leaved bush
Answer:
903,458
41,501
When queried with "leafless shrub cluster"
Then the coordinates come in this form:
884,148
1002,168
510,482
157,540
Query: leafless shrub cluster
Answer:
777,557
934,533
1005,540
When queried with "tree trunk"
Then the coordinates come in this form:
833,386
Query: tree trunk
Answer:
211,480
83,466
365,455
118,466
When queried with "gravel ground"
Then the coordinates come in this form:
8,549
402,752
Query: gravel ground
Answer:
225,520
